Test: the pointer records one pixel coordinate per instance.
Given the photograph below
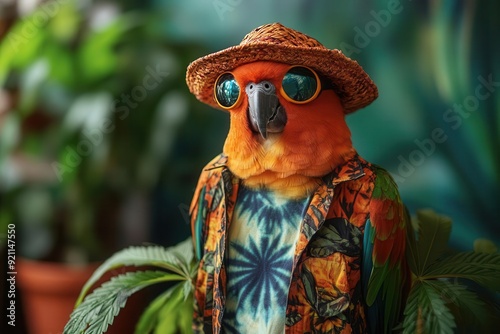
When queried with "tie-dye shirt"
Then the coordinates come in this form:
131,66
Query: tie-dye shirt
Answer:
262,239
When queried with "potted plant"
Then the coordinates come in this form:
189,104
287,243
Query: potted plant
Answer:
451,291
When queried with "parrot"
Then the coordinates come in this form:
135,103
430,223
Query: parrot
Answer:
295,232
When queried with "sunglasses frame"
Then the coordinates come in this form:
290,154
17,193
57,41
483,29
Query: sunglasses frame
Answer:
316,93
282,91
238,100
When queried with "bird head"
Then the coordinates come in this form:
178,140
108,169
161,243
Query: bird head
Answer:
287,126
287,96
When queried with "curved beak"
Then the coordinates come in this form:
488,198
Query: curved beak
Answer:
265,113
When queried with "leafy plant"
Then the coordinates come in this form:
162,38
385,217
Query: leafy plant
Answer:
92,121
62,63
170,312
444,296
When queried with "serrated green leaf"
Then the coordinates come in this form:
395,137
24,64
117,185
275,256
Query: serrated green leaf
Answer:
187,289
411,310
98,309
176,315
482,268
186,315
149,318
426,312
166,258
433,299
168,315
411,244
467,305
185,250
392,298
433,235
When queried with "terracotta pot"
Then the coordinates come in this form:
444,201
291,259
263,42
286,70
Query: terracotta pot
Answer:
49,291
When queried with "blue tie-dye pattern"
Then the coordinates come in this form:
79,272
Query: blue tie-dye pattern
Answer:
259,272
262,240
262,206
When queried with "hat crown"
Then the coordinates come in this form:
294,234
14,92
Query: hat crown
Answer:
275,42
278,34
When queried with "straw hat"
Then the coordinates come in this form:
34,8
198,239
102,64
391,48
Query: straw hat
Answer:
275,42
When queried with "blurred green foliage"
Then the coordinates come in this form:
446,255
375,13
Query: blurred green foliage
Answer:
81,67
94,111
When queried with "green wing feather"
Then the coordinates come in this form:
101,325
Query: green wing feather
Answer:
385,272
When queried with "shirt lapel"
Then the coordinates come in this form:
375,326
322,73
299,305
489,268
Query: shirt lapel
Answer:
321,201
228,187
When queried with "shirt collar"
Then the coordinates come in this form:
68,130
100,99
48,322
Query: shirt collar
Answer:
219,162
350,170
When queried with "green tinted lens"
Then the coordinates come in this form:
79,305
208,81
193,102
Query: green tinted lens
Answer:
227,90
300,84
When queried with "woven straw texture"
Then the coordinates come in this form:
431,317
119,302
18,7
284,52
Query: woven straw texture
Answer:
275,42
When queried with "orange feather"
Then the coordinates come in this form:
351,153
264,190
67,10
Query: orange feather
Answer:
389,243
315,140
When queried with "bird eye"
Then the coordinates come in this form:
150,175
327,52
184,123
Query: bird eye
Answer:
300,85
227,91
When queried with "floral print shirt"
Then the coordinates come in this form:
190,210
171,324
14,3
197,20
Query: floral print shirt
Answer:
324,291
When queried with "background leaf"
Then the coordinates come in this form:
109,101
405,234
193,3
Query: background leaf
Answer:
411,311
481,268
169,313
411,252
484,246
446,284
465,304
426,312
166,258
433,235
98,309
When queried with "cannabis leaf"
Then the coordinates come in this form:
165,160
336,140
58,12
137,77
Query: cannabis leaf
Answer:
177,259
481,268
440,296
171,311
426,312
97,311
432,240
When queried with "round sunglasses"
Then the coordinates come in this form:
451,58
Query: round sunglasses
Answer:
299,85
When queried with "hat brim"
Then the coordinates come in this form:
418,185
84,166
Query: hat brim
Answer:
351,83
